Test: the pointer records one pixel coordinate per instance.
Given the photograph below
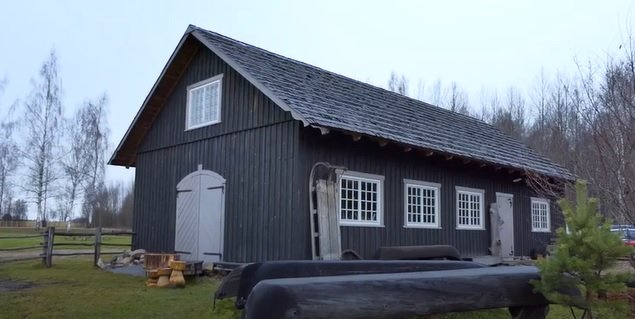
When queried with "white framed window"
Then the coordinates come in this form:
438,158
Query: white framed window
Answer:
469,208
540,216
421,204
203,103
361,199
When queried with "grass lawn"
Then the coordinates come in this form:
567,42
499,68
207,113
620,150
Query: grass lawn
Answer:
28,242
74,289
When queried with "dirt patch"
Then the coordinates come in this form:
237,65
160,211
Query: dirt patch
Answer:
7,285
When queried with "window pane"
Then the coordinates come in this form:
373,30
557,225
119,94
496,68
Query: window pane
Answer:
204,104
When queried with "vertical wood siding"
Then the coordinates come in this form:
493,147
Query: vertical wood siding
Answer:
252,148
265,157
396,165
242,106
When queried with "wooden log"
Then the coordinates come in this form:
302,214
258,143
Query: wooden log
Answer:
113,233
252,274
97,247
20,237
50,241
74,234
72,254
115,245
45,239
20,248
394,295
74,244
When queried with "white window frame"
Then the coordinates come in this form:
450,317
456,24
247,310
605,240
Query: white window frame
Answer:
436,187
471,191
362,177
541,201
211,81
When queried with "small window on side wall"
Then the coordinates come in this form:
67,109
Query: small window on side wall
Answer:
469,208
421,204
540,216
361,199
203,103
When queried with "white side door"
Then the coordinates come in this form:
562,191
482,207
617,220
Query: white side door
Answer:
506,211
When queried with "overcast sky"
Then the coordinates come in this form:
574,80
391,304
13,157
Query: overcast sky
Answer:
120,47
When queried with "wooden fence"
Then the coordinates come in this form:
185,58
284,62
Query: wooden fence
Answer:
48,244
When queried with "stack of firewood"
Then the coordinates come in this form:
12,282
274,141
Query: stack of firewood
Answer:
171,276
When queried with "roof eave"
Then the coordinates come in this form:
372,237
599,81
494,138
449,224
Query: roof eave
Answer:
127,163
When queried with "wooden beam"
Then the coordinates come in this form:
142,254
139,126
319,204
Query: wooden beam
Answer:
447,158
323,130
407,149
356,137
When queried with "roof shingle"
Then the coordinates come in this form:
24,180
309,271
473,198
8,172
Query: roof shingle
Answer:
324,98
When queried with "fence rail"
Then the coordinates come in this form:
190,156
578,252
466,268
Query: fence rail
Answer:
48,244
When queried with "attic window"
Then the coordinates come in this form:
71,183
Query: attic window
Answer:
203,103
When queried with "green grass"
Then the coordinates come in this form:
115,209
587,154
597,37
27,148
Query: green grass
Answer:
74,289
28,242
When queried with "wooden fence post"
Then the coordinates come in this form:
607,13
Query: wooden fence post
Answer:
45,245
97,246
49,246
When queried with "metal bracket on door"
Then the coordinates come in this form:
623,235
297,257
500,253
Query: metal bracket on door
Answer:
220,256
217,187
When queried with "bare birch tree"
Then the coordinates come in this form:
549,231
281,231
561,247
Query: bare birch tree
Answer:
75,165
94,126
8,161
42,119
398,84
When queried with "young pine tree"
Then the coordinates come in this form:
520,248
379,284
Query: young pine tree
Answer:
576,273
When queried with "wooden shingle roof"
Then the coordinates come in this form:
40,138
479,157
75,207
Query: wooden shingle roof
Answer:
322,98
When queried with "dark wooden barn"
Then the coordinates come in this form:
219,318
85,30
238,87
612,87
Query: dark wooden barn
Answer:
224,145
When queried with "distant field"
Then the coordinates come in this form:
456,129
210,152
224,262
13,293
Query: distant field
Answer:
26,242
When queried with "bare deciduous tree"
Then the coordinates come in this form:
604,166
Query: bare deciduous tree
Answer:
94,126
42,120
8,161
398,84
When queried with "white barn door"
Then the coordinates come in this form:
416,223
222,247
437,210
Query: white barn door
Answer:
200,216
